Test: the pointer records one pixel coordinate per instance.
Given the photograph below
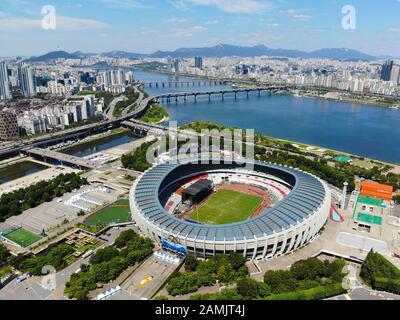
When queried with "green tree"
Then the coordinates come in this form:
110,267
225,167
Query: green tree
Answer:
124,238
308,269
248,288
182,284
4,254
191,262
104,255
280,281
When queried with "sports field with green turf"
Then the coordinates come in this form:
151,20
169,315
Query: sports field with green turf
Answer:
23,237
118,212
368,218
226,206
370,201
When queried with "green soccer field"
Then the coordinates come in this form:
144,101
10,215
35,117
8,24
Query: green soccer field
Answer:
118,212
226,207
23,237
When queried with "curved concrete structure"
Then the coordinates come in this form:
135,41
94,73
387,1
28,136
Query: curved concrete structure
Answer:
294,221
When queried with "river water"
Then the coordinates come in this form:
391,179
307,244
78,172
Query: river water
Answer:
93,147
19,170
363,130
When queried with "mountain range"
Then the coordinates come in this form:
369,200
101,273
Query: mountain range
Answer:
221,50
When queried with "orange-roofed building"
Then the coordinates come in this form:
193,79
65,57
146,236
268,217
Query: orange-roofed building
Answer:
376,190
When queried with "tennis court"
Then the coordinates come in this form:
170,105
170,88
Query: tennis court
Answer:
370,201
363,217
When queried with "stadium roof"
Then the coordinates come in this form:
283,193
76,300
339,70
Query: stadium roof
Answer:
198,187
304,200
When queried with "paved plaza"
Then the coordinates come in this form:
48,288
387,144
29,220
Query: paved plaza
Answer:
153,267
361,242
51,215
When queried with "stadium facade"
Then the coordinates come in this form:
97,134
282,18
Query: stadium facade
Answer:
290,224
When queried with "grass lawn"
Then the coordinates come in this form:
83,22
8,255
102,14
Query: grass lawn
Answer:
226,207
23,237
118,212
365,164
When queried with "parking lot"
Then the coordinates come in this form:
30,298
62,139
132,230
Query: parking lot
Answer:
361,242
366,294
49,215
159,270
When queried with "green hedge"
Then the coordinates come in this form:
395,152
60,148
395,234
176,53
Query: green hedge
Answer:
316,293
387,284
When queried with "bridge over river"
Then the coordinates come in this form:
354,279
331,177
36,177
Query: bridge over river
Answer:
235,92
181,84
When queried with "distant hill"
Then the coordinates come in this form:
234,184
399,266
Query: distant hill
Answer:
83,54
221,50
53,56
123,54
341,54
224,50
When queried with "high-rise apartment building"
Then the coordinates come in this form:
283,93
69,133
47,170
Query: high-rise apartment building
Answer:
176,66
198,62
387,70
395,74
26,80
5,91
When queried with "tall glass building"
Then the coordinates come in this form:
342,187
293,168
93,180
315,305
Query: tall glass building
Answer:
5,91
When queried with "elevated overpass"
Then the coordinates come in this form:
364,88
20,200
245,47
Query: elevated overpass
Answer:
63,158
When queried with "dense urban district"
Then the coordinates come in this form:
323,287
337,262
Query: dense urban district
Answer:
85,215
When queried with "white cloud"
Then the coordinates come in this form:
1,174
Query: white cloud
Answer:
73,6
394,29
68,23
175,20
296,14
230,6
62,23
125,4
188,32
14,24
179,5
146,30
211,22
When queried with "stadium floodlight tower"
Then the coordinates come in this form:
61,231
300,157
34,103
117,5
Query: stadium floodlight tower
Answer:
344,194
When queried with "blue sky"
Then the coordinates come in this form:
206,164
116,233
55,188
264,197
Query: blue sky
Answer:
145,26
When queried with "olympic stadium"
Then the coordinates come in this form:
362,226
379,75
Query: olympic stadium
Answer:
262,212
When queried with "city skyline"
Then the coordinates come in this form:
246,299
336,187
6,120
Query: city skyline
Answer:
145,27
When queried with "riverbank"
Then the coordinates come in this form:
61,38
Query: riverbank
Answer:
342,97
186,75
19,169
295,146
96,138
155,114
331,95
46,174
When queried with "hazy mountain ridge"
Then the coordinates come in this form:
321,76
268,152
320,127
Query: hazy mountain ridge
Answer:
221,50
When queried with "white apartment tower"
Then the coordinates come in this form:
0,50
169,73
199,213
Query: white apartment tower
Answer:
26,80
5,92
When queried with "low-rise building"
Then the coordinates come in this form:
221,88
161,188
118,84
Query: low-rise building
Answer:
8,126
